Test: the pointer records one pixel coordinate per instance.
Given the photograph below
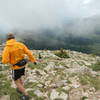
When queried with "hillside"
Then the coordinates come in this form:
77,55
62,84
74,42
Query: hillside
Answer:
89,44
71,76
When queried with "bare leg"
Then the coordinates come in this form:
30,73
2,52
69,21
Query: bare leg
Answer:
21,81
20,87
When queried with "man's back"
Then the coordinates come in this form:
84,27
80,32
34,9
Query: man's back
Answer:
14,52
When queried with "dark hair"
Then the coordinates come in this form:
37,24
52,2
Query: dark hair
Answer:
10,36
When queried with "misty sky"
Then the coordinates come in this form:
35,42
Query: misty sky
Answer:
40,14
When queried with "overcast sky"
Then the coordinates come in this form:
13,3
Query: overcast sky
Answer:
38,14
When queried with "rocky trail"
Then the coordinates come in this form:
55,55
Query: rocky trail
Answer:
74,77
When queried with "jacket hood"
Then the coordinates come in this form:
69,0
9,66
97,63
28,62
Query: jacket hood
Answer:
10,42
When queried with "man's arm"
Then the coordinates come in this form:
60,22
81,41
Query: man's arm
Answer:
5,56
29,54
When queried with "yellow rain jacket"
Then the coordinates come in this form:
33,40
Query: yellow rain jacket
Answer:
14,52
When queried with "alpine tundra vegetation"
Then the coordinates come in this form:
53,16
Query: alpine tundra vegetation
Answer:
62,75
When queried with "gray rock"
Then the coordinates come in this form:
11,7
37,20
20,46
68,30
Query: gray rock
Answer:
5,97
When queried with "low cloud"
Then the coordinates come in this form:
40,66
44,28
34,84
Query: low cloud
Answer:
75,17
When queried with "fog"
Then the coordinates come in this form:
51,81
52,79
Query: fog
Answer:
68,16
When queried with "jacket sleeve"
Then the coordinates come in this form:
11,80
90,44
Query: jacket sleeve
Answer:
5,56
29,54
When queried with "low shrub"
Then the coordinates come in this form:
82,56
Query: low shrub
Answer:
62,54
96,67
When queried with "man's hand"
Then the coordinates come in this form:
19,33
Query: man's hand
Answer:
38,60
35,63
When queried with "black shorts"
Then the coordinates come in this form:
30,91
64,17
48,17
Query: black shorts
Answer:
16,74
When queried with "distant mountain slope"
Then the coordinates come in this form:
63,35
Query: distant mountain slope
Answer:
78,34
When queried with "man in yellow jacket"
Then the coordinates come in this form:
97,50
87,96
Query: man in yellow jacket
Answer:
13,53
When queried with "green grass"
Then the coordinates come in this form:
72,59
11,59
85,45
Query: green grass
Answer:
4,85
30,85
3,68
37,66
96,67
2,76
6,89
58,99
14,95
62,54
89,80
31,93
84,97
72,74
0,58
60,89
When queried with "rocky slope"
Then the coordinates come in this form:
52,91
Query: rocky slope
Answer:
76,77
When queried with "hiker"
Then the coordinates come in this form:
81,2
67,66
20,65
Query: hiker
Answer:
14,54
